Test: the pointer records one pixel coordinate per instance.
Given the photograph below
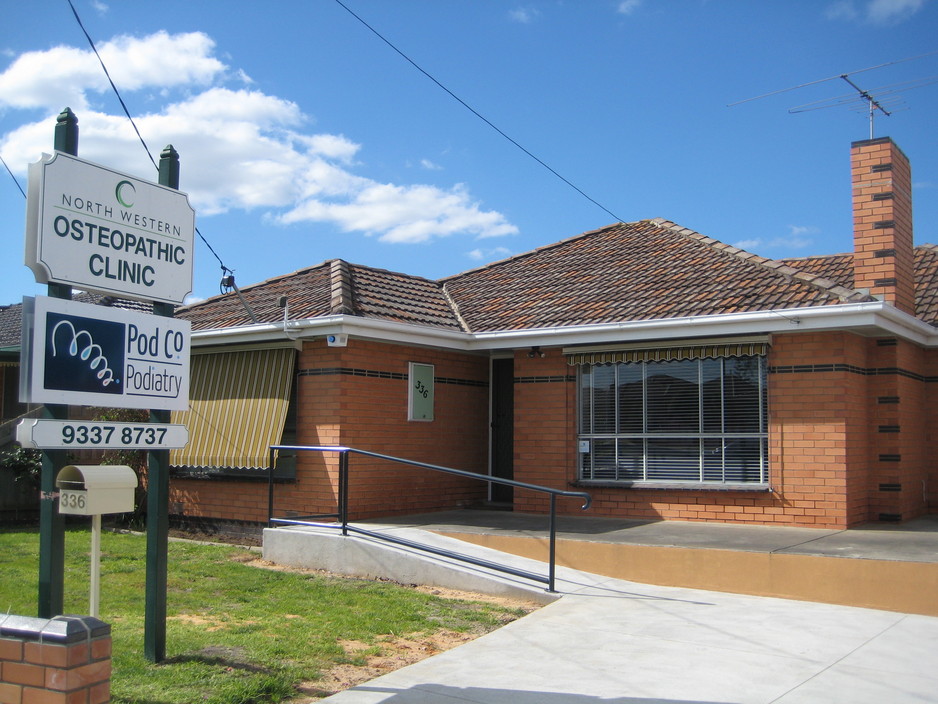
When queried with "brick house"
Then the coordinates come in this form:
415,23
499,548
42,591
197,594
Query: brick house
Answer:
670,375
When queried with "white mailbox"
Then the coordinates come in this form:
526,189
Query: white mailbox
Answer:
91,490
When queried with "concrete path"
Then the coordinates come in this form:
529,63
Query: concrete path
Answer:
613,641
609,640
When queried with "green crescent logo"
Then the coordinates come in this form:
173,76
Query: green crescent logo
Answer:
118,193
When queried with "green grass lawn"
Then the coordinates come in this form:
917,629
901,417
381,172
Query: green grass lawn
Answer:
235,633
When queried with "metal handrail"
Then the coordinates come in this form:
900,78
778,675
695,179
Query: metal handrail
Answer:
342,515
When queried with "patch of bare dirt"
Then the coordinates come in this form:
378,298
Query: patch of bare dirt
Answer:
372,661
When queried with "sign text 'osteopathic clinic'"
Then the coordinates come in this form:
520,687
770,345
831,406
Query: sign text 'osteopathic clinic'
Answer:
95,228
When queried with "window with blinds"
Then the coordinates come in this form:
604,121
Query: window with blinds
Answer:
700,420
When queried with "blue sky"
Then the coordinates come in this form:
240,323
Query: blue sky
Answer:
303,137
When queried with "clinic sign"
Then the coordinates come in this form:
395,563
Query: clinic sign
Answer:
91,227
89,355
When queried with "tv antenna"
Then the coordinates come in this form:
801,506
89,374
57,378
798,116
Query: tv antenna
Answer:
887,95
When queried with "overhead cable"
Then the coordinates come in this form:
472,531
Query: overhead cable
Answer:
12,176
476,112
225,269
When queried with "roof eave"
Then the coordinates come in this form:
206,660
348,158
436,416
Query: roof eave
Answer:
311,328
874,319
871,319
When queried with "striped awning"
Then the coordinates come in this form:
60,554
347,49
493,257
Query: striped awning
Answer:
667,354
237,407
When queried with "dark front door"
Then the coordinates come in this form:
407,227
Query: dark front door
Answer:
503,420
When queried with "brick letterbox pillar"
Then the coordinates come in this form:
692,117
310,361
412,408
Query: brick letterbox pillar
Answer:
63,660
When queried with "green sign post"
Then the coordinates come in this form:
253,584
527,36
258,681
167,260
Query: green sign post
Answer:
51,523
52,527
154,627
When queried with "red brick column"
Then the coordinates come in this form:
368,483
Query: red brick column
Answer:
883,257
65,660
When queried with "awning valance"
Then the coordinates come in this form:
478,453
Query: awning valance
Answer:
237,407
667,354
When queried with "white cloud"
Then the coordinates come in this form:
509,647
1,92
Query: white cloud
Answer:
65,75
430,166
798,237
841,10
403,213
240,149
100,7
524,15
748,245
495,253
877,12
627,7
887,11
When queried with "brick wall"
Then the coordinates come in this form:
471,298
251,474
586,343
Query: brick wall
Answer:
818,428
65,660
545,429
930,488
851,429
898,431
356,396
849,421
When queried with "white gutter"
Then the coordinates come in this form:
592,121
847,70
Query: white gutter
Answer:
874,319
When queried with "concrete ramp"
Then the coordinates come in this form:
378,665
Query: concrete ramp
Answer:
371,558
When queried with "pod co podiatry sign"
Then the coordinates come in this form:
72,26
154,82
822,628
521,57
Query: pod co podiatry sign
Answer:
94,228
81,354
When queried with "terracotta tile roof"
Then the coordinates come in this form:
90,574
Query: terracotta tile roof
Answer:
11,319
632,271
926,283
331,288
307,292
839,268
628,271
836,267
377,293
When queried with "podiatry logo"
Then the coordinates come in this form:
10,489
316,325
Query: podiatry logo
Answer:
83,354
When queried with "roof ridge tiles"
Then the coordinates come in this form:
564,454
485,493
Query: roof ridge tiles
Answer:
454,307
264,282
340,288
789,272
380,270
536,250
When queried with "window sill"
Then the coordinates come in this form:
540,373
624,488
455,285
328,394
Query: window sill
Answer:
670,486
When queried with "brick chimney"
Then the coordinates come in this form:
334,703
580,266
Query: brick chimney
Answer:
883,256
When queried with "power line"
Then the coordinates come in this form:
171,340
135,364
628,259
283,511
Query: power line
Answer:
111,81
12,176
476,113
134,124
